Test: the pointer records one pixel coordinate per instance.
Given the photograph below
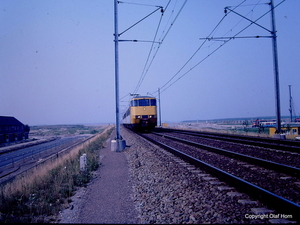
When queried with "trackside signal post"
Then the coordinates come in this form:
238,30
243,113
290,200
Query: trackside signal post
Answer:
118,144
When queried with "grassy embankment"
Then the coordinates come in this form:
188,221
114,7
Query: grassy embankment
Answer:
40,194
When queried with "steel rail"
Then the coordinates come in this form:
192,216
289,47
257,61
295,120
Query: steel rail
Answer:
256,141
275,201
294,171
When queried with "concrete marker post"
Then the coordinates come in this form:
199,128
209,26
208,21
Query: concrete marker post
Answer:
83,162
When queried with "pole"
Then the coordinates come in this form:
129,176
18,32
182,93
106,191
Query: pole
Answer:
120,144
276,73
159,107
117,70
291,109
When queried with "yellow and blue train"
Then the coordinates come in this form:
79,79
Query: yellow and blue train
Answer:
141,113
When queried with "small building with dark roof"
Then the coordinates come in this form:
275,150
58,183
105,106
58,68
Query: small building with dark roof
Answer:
12,129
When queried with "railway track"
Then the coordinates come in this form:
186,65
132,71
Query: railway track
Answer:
279,144
274,183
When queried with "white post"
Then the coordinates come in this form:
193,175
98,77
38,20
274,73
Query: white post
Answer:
83,162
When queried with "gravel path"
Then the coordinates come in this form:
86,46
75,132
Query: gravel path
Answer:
108,198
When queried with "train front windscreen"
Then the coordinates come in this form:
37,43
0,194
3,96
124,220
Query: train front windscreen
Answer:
143,102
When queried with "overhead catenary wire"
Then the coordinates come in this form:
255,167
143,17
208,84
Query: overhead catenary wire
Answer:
239,6
160,42
160,7
193,55
165,87
153,42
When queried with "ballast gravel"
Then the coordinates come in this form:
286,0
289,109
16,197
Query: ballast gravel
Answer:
169,191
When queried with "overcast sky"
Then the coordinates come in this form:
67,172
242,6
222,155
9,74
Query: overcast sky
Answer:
57,61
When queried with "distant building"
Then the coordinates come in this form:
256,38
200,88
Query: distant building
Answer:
12,129
291,131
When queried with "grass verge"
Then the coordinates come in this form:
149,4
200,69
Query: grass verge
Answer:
40,194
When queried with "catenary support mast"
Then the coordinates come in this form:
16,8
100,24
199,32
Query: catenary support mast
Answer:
276,73
291,106
159,107
120,144
275,59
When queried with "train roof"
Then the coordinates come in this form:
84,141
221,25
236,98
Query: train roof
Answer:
142,97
